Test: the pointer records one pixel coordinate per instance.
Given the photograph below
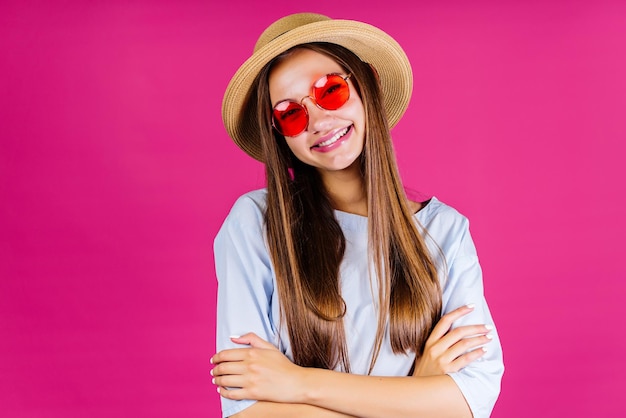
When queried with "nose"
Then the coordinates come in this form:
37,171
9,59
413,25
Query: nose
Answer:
320,120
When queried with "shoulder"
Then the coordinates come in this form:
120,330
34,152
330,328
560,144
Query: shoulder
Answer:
246,216
249,208
444,224
436,214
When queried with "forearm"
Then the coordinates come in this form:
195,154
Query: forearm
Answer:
376,397
261,372
264,409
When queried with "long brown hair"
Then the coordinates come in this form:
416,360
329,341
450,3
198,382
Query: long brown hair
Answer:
307,245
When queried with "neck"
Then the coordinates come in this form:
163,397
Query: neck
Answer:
346,190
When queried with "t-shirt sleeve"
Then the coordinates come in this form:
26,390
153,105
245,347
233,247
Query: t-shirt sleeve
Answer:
480,380
245,283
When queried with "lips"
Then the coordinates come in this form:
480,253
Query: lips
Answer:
332,138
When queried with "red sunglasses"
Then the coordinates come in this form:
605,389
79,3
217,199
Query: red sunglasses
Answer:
290,118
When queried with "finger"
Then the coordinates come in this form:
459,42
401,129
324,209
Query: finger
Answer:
232,354
467,358
229,368
446,321
230,382
462,332
464,346
233,393
253,340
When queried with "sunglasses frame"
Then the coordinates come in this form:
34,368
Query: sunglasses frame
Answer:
314,100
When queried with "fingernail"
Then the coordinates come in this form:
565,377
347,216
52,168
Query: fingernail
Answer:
213,380
211,372
489,336
235,336
485,349
489,327
470,306
211,360
218,390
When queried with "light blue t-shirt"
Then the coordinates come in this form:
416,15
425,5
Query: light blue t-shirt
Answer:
247,301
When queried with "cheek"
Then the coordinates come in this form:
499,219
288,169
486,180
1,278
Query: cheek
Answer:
296,144
356,108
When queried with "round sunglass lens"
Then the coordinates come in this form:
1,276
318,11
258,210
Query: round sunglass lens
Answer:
331,92
290,118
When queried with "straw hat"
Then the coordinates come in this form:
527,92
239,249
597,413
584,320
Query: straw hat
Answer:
369,43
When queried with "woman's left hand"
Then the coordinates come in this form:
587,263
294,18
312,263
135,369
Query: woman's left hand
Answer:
449,350
259,372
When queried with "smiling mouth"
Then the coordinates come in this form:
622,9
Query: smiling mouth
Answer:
334,138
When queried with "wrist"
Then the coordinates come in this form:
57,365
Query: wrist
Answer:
309,389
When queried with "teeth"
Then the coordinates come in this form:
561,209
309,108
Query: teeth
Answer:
334,138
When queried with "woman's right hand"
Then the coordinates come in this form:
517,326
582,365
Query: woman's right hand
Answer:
449,350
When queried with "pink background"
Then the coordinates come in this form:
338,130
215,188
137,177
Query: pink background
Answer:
116,173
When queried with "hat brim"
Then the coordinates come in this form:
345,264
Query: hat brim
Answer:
368,42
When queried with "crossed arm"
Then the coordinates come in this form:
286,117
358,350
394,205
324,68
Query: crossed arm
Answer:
261,372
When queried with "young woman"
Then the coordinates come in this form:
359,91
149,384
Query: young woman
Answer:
338,296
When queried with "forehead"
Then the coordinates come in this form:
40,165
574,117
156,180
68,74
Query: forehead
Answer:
293,76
